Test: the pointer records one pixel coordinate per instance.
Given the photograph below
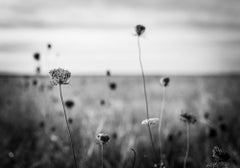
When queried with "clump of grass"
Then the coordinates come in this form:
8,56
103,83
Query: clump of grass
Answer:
102,139
219,158
164,82
140,29
187,119
62,77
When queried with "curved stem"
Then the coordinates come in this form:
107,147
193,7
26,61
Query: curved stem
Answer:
188,144
68,128
134,157
160,121
146,99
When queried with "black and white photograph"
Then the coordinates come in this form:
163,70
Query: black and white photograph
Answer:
119,83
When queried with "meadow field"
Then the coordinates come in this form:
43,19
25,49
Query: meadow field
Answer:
33,130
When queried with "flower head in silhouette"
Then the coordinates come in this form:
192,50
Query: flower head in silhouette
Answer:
60,76
140,29
103,138
188,118
164,81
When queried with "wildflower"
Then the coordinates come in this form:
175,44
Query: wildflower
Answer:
218,155
36,56
151,121
164,81
140,29
108,73
70,120
188,118
60,76
49,46
112,85
103,138
69,104
38,70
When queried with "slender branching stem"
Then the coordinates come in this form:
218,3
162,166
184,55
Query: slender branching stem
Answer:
102,155
134,157
68,128
145,94
160,121
188,144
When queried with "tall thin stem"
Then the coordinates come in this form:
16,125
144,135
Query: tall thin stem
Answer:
134,157
145,94
68,128
188,144
102,155
160,121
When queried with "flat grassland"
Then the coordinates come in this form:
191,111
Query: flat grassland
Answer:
33,130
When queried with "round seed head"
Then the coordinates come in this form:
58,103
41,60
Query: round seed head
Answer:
60,76
219,155
103,138
164,81
36,56
140,29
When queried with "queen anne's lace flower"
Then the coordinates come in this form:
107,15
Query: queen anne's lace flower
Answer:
60,76
188,118
151,121
103,138
164,81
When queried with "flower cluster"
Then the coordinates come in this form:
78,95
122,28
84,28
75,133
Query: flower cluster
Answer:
103,138
60,76
140,29
164,81
150,121
188,118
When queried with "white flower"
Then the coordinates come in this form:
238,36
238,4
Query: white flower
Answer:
151,121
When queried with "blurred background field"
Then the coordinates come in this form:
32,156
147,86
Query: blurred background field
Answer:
33,131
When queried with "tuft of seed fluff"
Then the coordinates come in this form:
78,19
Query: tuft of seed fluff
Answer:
103,138
60,76
188,118
164,81
140,29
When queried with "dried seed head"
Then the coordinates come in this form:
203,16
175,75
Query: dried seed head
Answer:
60,76
218,155
69,104
140,29
164,81
108,73
49,46
188,118
36,56
151,121
103,138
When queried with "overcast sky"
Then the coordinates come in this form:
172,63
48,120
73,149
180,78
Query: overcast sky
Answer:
182,37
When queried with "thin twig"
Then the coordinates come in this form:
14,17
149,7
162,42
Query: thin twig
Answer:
145,94
188,144
160,121
68,128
